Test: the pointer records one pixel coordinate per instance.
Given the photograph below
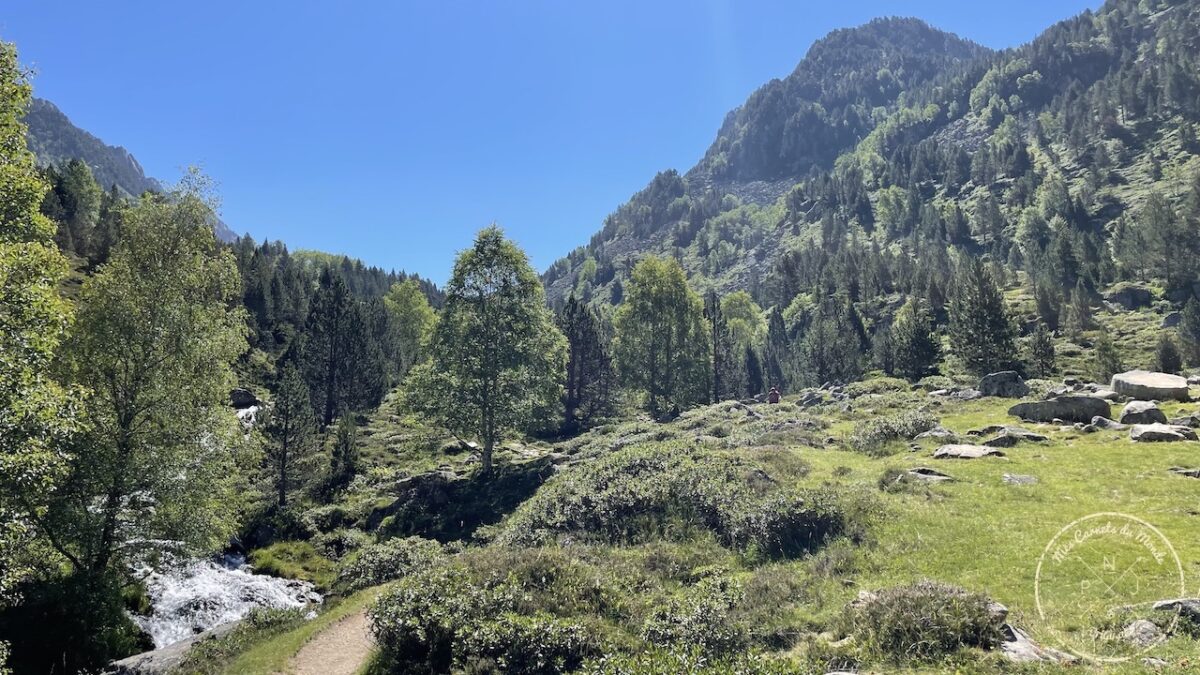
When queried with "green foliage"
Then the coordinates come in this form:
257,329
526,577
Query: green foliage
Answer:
156,337
662,661
922,622
590,390
1106,360
1189,332
497,358
538,644
1167,358
1040,351
916,348
387,561
343,457
660,344
872,438
982,332
212,656
644,492
294,560
700,620
413,319
290,429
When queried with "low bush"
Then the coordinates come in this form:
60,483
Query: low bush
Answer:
387,561
922,621
214,655
539,644
663,661
670,490
340,543
873,437
701,619
876,385
294,560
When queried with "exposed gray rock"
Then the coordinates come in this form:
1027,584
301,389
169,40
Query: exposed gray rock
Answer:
1004,384
1172,320
1163,433
1106,394
937,432
960,451
162,661
1010,436
1194,381
967,395
1065,408
1105,423
1190,473
242,398
1018,479
1130,296
1185,607
926,475
1145,385
1192,421
987,431
1142,412
1141,633
1019,648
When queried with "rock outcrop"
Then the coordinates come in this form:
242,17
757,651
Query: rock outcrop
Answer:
1161,433
1148,386
1004,384
1065,408
1142,412
961,451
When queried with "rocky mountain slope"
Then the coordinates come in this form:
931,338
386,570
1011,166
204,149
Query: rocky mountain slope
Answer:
897,137
54,139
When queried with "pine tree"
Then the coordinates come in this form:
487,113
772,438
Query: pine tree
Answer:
290,430
1167,358
1189,332
343,458
590,385
723,376
1041,352
1107,359
916,347
982,332
1079,311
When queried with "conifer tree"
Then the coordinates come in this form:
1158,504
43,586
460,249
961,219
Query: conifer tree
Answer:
1189,332
1041,352
916,347
1167,358
590,383
290,430
982,332
1106,360
343,458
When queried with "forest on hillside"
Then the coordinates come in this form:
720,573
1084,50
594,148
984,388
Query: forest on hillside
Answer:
746,429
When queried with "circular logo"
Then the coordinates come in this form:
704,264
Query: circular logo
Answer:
1097,582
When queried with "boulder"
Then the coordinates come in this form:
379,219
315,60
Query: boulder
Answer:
1066,408
1130,296
1106,394
1180,471
960,451
1017,647
1171,320
169,658
1010,436
1004,384
1142,412
1145,385
967,395
937,431
1141,633
925,475
242,398
1192,421
1163,433
1105,423
1194,381
1188,608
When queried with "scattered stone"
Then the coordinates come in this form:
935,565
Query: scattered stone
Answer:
1130,296
1171,320
937,432
1141,633
1066,408
1018,479
1164,433
1106,394
1194,381
987,431
242,398
1153,662
1188,608
940,392
1145,385
1010,436
925,474
1142,412
1192,421
1105,423
1019,648
967,395
960,451
1088,429
1190,473
1004,384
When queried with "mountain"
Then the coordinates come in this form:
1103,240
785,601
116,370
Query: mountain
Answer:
894,143
54,140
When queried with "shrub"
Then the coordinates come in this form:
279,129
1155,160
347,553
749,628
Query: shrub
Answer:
380,563
922,621
876,385
701,619
213,655
524,644
873,437
661,661
294,560
340,543
646,491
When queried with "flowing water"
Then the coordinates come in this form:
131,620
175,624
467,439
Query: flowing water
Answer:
204,594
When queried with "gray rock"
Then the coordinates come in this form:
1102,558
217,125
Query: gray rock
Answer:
1162,433
1106,394
967,395
1018,479
960,451
1066,408
165,660
1142,412
988,430
937,432
1004,384
1194,381
242,398
1130,296
1141,633
1010,436
1019,648
1172,320
1105,423
1185,607
1145,385
926,475
1192,421
1190,473
1153,662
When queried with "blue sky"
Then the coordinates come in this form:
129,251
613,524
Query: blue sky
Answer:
392,131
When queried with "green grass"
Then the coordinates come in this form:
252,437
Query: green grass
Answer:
294,560
272,655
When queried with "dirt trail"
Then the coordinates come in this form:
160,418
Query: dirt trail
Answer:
340,649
